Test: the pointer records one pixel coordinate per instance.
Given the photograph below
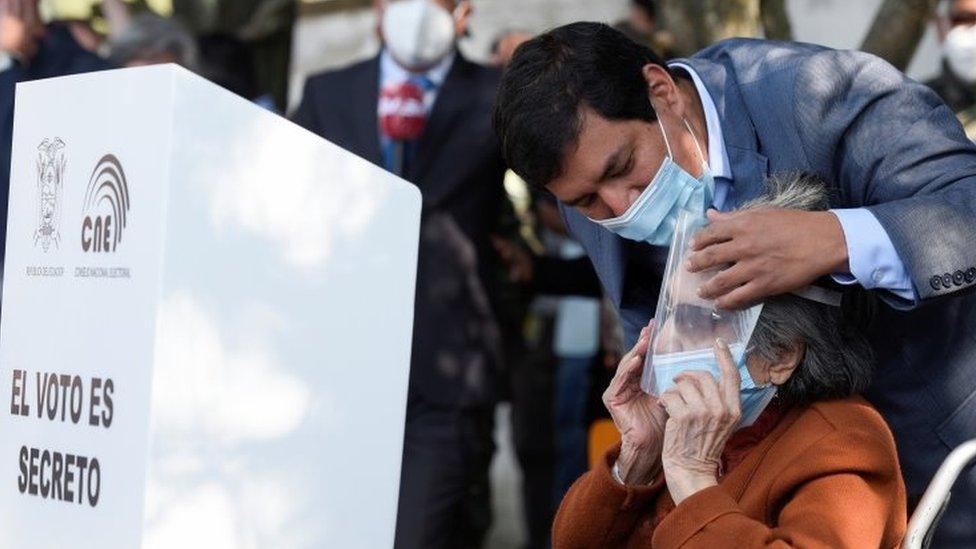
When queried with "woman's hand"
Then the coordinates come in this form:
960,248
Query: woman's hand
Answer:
702,414
638,416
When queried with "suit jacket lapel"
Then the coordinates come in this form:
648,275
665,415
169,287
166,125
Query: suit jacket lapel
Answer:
748,165
365,94
450,103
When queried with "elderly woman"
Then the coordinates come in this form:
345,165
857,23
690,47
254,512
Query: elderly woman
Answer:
818,468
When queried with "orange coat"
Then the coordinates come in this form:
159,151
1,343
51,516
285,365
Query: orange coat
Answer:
826,476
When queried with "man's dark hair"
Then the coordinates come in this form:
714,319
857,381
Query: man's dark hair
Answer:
537,110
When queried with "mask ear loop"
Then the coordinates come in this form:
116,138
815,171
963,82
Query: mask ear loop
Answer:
660,124
745,356
697,146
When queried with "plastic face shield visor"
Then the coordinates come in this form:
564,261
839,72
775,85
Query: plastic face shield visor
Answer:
686,326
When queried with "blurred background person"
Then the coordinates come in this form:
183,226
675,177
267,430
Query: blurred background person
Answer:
503,47
527,330
432,107
149,39
30,50
956,83
642,26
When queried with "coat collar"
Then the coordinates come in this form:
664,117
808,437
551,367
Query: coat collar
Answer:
748,165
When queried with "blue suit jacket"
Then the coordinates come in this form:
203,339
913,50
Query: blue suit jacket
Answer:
58,55
881,141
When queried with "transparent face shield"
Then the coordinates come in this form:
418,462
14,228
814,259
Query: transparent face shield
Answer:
686,326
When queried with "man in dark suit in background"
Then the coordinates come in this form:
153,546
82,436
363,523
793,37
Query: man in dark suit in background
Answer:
30,50
456,163
626,141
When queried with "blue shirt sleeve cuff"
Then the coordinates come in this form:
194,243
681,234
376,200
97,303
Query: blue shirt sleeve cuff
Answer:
874,262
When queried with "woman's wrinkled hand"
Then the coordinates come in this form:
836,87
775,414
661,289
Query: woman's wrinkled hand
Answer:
702,414
638,416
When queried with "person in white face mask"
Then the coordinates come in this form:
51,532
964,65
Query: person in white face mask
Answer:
419,34
420,109
956,84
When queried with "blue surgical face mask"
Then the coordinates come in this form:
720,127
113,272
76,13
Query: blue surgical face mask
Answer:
753,398
651,218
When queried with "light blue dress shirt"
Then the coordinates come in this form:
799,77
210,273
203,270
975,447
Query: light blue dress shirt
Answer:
873,260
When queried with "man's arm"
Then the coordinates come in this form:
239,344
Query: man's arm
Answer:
895,149
874,262
895,152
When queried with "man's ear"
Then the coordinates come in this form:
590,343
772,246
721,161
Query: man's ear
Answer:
662,89
785,364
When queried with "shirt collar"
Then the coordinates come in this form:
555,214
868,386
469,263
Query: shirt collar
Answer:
718,156
6,61
391,71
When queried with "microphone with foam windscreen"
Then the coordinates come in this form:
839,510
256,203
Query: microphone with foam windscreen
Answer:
402,117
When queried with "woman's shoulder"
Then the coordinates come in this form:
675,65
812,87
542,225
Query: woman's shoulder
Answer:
848,414
848,426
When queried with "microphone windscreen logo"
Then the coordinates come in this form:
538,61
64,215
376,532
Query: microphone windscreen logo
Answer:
402,113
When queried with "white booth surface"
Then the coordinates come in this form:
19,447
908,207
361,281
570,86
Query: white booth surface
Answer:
206,324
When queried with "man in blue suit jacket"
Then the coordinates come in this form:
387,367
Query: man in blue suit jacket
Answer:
585,113
38,52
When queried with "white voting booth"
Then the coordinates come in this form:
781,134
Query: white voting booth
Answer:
206,324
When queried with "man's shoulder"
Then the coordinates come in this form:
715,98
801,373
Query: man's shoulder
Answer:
59,55
757,48
477,70
755,60
342,75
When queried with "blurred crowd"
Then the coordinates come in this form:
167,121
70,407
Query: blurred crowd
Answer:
508,306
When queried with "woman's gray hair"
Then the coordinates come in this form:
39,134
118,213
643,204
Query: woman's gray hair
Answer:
837,360
148,36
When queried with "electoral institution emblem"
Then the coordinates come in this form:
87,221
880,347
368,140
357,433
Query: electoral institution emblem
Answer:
50,182
106,207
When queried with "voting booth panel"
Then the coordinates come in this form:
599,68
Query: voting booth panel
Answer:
206,327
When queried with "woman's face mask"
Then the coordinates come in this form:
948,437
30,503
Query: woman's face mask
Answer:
417,33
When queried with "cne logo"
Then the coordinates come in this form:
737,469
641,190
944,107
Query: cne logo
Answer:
106,207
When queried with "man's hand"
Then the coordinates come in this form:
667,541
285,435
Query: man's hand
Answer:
768,251
20,26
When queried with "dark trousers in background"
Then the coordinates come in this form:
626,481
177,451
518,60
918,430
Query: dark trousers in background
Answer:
532,385
572,400
445,496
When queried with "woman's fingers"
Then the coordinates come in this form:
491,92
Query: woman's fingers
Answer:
731,381
622,385
673,403
687,387
708,387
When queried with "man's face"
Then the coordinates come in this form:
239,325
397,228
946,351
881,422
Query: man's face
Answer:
612,161
962,13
